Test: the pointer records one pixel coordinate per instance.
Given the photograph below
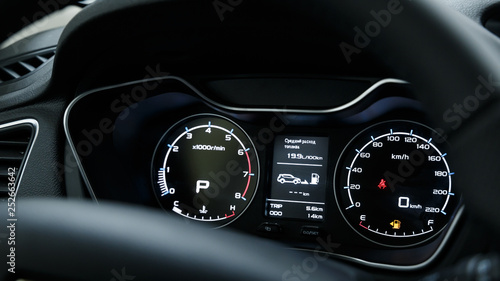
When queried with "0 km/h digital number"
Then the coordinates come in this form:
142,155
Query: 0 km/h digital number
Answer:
205,169
393,184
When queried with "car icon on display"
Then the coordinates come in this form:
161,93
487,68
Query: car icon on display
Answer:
288,178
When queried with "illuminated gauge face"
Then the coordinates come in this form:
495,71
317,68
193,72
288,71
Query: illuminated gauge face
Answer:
206,169
393,184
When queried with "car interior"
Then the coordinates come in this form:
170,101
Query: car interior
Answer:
249,140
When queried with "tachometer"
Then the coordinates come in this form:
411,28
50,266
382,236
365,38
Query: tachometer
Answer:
206,169
393,184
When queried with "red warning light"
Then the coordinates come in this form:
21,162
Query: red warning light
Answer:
382,184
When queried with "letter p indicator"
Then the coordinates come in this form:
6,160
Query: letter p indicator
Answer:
202,184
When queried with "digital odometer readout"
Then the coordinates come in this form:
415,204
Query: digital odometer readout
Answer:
298,178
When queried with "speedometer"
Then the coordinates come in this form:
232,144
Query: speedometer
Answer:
205,169
393,184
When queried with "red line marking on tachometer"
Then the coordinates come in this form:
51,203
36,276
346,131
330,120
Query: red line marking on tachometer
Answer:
229,215
249,172
361,224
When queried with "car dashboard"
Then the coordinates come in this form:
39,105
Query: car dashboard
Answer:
285,173
252,121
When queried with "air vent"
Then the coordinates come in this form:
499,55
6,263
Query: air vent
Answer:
16,139
23,67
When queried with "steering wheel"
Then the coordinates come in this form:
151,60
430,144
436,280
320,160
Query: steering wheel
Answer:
452,62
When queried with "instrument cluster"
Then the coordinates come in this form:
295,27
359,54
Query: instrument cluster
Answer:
369,176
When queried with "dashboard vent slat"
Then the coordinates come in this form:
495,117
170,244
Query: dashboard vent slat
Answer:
15,140
42,58
9,73
14,70
19,69
27,66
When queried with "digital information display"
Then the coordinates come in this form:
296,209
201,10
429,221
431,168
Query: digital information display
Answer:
299,178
